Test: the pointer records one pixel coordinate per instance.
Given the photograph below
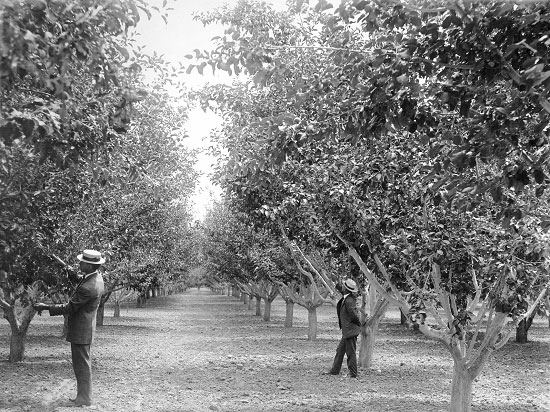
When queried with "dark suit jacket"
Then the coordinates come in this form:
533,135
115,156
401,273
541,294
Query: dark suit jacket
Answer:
82,309
348,319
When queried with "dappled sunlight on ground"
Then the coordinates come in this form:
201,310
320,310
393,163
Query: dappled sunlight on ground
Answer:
204,352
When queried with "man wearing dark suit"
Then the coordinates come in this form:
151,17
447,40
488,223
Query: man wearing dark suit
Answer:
81,310
349,322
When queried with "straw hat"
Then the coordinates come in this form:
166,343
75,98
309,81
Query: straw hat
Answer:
91,256
351,286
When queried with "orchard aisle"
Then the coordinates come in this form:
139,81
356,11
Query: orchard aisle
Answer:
201,351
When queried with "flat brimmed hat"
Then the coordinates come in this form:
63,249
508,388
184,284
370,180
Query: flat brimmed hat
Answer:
91,256
351,285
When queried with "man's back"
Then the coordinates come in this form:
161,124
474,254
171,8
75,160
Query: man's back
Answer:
347,316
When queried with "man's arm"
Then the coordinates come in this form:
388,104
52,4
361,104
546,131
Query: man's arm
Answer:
80,298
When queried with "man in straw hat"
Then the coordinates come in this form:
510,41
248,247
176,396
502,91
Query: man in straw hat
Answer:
81,310
349,322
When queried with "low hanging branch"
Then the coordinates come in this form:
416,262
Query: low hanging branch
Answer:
394,297
318,260
293,247
535,303
382,269
314,270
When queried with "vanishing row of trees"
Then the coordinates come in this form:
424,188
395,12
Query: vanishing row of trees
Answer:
402,143
91,156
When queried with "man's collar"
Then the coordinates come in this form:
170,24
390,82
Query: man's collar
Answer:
89,274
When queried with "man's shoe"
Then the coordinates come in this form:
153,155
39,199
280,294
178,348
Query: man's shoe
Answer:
78,403
68,403
329,373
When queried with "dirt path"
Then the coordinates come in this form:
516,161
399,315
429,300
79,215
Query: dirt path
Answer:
205,352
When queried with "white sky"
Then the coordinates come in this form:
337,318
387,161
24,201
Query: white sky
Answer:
175,40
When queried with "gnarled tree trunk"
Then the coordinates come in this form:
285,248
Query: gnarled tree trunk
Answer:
100,314
461,388
17,344
523,328
269,292
19,330
403,318
289,313
258,306
287,292
116,312
373,310
267,310
140,301
312,323
366,348
308,297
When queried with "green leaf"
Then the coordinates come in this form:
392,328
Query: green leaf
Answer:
544,103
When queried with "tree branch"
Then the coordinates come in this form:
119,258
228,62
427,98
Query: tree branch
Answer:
535,303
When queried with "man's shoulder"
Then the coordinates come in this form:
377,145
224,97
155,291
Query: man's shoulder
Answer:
92,282
350,300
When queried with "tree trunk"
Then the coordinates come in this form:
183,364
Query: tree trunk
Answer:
404,320
116,313
18,331
140,302
377,308
249,302
65,326
461,389
523,328
366,348
312,323
245,298
289,313
17,345
267,310
258,306
100,314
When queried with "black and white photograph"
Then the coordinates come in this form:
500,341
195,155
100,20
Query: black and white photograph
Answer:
275,205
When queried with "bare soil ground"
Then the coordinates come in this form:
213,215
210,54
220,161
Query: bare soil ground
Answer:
201,351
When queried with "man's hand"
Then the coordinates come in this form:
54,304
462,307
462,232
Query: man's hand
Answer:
39,307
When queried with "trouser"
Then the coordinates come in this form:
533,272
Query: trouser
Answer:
348,347
82,366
